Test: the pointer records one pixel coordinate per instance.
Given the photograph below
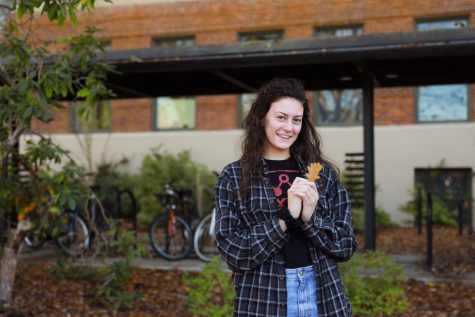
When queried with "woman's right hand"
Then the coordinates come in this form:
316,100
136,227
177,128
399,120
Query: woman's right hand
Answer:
294,204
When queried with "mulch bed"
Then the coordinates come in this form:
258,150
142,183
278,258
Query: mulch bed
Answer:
38,293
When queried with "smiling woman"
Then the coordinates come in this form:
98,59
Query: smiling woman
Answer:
280,233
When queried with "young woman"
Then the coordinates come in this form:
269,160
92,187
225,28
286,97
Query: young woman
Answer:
281,234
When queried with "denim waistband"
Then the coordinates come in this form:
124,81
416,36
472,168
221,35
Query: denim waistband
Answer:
300,272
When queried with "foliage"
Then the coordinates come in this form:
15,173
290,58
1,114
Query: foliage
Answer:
371,282
442,213
64,268
211,293
383,220
119,282
181,172
110,177
47,192
57,11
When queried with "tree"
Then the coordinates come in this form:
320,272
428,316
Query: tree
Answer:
34,79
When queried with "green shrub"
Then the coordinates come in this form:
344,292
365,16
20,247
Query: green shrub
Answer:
109,176
442,214
371,282
210,293
184,174
383,220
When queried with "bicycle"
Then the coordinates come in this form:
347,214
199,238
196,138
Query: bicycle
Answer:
170,234
72,237
204,242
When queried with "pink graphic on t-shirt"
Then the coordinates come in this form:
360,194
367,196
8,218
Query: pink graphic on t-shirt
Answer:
283,179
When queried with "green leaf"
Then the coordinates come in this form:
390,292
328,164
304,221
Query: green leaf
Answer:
71,203
22,85
83,93
27,114
21,11
55,210
73,16
48,91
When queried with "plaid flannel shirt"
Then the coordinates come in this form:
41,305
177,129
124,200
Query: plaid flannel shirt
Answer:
250,240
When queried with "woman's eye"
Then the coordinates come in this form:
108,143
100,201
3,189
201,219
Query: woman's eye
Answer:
298,121
280,118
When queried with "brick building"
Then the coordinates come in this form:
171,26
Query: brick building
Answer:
416,126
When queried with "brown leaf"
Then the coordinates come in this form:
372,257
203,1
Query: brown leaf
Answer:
313,170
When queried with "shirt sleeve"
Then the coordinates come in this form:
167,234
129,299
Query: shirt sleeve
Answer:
243,247
332,230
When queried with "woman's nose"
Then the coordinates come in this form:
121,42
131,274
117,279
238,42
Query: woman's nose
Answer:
288,126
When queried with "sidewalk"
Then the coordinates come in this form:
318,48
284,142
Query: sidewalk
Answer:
414,266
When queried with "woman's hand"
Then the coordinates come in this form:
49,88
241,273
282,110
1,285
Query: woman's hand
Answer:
294,203
308,194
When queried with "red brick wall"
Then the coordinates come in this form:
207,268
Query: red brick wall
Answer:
61,123
216,112
394,106
131,115
217,22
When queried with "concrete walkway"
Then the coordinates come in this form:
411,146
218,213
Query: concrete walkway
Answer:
413,264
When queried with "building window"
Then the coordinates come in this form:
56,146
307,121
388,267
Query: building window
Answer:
338,107
175,113
85,119
245,102
441,103
271,35
455,23
173,41
338,31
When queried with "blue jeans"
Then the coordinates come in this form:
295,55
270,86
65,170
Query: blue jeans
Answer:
301,292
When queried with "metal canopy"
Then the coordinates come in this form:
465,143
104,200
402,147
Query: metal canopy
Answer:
392,59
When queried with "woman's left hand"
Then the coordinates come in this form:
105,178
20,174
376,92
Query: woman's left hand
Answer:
307,191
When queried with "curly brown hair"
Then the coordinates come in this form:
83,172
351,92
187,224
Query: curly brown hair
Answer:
307,147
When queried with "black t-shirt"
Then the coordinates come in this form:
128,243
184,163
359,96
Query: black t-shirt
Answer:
282,174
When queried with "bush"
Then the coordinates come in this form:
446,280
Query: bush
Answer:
109,177
442,214
383,220
371,282
183,174
210,293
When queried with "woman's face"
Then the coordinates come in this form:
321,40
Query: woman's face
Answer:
282,125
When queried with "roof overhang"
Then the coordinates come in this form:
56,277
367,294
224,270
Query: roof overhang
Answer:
392,59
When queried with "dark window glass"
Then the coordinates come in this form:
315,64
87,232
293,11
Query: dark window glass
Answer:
175,41
273,35
91,119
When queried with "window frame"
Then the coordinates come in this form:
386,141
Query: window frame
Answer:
155,118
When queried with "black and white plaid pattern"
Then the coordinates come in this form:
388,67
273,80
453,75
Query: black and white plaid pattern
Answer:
250,240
